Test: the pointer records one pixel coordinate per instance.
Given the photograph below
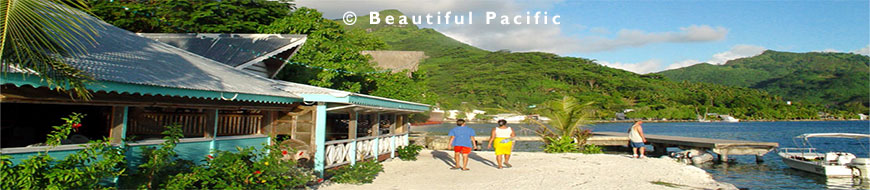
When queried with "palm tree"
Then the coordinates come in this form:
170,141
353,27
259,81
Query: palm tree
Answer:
567,118
37,34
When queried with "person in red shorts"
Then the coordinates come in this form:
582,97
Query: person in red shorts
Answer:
462,141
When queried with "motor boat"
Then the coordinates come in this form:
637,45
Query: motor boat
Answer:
830,164
729,119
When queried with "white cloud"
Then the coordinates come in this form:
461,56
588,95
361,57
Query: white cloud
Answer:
863,51
635,38
550,38
644,67
599,30
829,50
683,63
526,37
736,52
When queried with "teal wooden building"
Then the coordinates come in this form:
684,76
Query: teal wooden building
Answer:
144,84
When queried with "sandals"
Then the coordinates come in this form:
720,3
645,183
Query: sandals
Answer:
507,165
465,169
455,168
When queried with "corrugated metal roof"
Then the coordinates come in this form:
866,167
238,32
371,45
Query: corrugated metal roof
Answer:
347,97
230,49
218,47
122,56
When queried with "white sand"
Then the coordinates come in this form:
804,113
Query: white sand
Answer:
535,170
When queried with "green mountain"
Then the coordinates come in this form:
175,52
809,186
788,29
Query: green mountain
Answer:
466,77
834,79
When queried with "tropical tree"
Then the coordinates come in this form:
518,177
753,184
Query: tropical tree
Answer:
38,34
184,16
328,46
565,132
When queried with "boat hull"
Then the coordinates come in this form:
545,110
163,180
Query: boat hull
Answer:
817,168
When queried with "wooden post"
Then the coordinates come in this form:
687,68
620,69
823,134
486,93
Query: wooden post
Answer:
211,123
211,127
406,129
352,125
759,158
266,123
400,123
376,131
320,138
376,128
393,125
393,137
118,129
351,134
723,157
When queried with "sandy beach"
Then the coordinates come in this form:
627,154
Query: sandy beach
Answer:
537,170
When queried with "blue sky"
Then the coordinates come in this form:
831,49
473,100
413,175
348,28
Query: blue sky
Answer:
648,36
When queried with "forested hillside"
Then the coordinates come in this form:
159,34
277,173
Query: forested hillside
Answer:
840,80
466,77
456,75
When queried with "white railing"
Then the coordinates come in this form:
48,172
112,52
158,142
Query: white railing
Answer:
348,151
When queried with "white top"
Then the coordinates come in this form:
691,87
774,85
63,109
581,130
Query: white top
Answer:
634,135
503,133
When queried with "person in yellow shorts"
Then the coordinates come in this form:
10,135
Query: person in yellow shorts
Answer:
503,138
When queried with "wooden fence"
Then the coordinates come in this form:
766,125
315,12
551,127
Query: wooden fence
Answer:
194,124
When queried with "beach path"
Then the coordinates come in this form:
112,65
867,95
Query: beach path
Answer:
536,170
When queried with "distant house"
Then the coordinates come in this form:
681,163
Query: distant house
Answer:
456,114
510,118
473,114
436,116
620,116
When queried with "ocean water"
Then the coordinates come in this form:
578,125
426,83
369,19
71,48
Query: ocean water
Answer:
745,173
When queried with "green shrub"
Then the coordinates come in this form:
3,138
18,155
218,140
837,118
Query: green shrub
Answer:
409,152
160,163
560,145
361,173
249,168
591,149
91,168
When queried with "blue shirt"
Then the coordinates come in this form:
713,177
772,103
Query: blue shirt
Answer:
462,136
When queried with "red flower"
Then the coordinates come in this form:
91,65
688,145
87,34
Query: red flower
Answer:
76,126
300,153
210,157
257,172
319,180
284,152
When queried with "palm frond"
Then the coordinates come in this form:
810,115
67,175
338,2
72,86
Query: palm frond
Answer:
37,34
567,117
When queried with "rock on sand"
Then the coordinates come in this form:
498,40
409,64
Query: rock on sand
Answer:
536,170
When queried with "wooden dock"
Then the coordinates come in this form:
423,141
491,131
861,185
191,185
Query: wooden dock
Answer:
722,147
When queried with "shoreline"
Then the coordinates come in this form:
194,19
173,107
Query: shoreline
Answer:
539,170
